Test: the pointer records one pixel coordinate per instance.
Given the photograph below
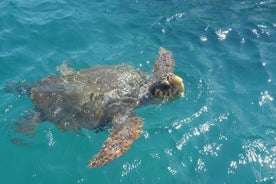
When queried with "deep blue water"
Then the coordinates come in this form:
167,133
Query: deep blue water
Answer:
222,131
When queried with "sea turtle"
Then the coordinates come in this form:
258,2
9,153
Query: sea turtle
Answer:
100,96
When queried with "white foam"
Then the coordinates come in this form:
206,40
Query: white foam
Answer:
265,98
222,34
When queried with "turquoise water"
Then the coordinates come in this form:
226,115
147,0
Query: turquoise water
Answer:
222,131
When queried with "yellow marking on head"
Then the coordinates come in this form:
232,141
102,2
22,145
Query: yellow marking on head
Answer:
176,79
181,88
177,85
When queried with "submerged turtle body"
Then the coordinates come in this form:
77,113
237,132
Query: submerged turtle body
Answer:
89,98
100,96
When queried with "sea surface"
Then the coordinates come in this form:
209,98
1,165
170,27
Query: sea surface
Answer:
223,130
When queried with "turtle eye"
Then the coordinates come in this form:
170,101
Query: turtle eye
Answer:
163,78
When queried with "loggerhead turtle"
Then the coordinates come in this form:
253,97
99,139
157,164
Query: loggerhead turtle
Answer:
100,96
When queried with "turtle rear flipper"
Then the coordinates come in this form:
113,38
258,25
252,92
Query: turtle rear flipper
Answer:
20,87
118,142
27,124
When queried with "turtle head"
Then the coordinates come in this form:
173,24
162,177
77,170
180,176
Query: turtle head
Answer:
168,85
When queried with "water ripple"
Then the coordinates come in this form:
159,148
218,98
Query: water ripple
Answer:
178,124
128,167
201,129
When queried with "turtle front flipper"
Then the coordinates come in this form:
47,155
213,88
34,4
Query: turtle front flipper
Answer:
21,87
118,142
164,63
